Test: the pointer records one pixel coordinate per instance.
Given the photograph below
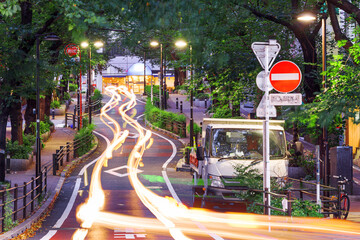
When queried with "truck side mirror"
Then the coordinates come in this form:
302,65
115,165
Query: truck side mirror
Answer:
200,153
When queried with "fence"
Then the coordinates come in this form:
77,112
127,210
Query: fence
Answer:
19,202
75,118
69,151
169,124
329,206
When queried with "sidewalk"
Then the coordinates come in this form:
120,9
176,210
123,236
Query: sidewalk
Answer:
58,138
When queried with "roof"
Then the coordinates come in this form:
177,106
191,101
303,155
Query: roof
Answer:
137,69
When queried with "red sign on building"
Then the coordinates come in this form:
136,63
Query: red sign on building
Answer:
285,76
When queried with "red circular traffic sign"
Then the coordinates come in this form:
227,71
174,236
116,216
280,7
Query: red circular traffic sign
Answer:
71,50
285,76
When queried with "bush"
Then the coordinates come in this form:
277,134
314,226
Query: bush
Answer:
202,96
15,150
73,87
96,96
250,177
66,96
160,118
44,127
222,112
196,128
86,134
55,104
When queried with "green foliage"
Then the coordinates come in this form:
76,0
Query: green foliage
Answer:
250,177
48,121
44,127
222,112
9,206
87,137
163,119
196,128
73,87
55,104
96,96
17,151
202,96
66,96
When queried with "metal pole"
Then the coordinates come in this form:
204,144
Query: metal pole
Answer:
266,143
161,76
191,102
152,93
38,154
317,152
80,89
165,88
144,71
325,130
89,86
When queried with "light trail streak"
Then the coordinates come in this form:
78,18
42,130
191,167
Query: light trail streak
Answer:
175,217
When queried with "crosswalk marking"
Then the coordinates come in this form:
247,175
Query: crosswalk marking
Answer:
129,233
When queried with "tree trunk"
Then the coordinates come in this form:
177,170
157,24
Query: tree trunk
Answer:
29,115
47,104
179,77
42,109
16,122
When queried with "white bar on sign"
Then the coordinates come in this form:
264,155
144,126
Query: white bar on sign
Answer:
284,76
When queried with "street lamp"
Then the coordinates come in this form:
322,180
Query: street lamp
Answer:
182,44
45,37
155,44
308,16
97,44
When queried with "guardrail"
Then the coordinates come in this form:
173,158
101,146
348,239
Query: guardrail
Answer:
75,118
19,202
68,152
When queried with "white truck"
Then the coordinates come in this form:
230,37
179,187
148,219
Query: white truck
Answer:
227,143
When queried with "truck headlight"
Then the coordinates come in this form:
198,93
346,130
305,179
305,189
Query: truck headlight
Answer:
216,181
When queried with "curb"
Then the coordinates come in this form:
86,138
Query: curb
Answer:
22,227
170,134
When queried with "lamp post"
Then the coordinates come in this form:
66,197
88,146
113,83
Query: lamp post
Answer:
97,44
306,16
155,44
182,44
46,37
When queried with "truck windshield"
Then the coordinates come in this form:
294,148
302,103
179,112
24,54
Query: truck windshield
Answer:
246,144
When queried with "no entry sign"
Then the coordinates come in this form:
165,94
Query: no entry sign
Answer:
71,50
285,76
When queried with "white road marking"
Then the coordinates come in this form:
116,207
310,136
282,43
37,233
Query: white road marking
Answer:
70,204
113,171
284,76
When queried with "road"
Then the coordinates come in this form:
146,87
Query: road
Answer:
134,200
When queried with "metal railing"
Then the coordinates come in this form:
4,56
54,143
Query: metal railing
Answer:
19,202
169,124
68,152
75,118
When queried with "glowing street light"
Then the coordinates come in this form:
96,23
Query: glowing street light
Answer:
182,44
85,44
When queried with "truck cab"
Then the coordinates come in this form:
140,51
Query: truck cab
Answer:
226,143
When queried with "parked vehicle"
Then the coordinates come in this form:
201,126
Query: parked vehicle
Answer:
227,143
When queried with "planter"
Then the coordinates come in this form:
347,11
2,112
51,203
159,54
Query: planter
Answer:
20,164
46,136
60,111
296,172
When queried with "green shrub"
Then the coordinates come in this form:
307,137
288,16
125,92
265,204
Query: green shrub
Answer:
96,96
47,120
85,146
21,151
222,112
44,127
202,96
55,104
196,128
160,118
73,87
250,177
66,96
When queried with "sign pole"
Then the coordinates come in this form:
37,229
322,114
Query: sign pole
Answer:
266,144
